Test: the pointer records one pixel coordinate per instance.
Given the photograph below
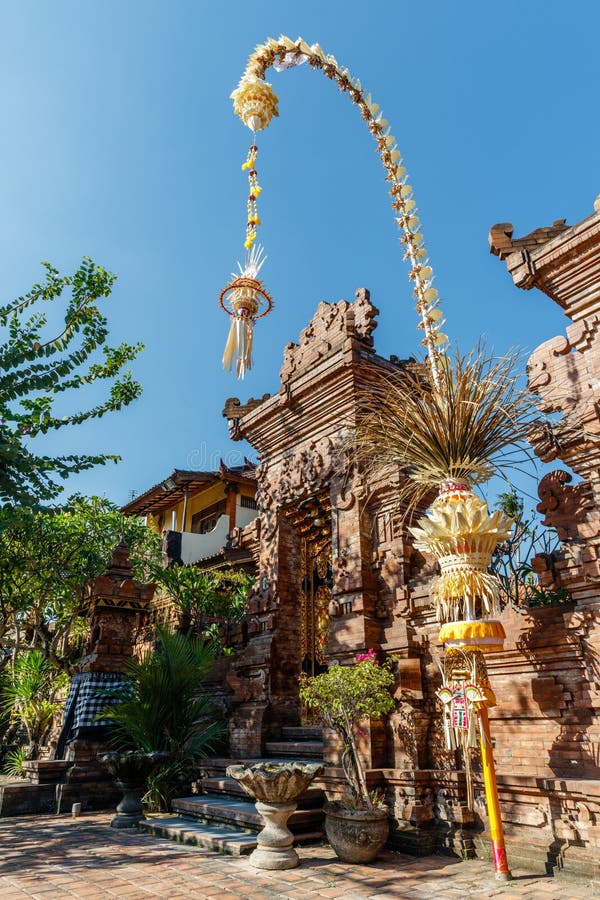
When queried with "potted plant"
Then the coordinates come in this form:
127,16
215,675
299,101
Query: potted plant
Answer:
345,696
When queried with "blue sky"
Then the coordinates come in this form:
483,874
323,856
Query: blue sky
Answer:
119,142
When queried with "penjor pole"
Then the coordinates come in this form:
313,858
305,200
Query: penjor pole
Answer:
452,422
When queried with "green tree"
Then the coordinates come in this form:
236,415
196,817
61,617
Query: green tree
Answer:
344,696
46,558
36,369
208,603
511,561
31,692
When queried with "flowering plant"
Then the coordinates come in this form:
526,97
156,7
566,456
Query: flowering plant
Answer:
344,696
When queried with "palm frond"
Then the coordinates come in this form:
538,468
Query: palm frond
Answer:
466,430
162,707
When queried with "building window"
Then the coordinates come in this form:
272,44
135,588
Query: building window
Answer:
206,519
248,502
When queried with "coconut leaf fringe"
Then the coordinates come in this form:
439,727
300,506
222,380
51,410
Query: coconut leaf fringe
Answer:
471,428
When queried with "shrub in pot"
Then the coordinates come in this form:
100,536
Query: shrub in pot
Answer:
345,696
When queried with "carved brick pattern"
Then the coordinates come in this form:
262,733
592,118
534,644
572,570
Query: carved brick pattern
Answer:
546,726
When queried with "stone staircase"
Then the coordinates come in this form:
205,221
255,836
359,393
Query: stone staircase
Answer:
223,817
298,743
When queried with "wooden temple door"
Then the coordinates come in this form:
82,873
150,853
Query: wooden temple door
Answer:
315,597
311,520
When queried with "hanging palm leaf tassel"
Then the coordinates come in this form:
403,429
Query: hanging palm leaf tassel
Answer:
244,300
238,349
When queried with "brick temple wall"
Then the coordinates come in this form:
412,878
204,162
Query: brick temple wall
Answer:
546,724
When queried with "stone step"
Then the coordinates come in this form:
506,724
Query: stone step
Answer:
222,809
295,749
230,787
301,733
212,837
201,834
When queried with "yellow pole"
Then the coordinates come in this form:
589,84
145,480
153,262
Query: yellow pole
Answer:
491,796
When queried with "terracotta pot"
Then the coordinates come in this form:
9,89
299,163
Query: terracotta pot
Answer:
356,835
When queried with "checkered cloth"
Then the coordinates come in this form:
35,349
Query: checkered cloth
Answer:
89,693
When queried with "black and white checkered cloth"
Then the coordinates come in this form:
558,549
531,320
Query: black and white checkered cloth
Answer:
89,693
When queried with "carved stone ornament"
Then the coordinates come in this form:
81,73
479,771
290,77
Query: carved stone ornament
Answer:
564,373
567,507
301,474
327,330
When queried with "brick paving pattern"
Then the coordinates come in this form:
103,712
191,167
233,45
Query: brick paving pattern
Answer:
49,857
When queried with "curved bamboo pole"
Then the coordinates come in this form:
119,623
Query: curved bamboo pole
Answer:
255,103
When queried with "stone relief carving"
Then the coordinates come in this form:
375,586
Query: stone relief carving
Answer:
332,323
301,474
564,373
248,688
567,507
576,823
234,410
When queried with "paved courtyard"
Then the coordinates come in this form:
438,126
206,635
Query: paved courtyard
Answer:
48,857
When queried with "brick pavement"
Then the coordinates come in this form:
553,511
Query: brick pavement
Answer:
60,857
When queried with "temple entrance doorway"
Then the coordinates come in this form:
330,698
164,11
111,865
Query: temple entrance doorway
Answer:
311,521
315,597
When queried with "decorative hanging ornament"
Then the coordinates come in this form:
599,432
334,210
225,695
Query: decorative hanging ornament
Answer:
255,102
254,191
245,300
461,533
465,690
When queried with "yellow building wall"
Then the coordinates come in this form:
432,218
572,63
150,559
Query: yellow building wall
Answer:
214,494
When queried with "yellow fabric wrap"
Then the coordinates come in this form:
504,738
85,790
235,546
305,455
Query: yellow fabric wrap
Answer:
484,635
482,628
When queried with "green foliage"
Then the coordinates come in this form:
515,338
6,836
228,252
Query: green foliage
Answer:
511,562
344,696
46,557
31,692
170,781
37,369
209,603
163,708
13,764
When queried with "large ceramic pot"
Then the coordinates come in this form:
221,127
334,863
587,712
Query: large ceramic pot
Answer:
356,835
131,771
275,787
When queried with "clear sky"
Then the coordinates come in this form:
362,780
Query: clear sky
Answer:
119,142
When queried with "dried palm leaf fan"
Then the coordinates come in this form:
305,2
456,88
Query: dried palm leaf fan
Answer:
451,437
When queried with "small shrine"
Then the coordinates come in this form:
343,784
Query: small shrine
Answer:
117,607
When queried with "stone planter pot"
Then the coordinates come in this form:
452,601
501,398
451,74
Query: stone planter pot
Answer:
275,788
356,835
131,771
